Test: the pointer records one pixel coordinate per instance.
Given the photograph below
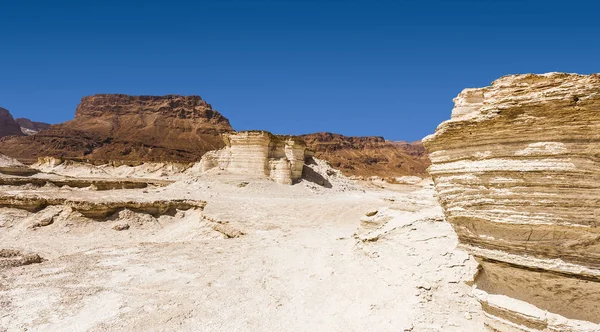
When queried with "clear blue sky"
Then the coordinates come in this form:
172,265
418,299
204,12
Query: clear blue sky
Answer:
386,68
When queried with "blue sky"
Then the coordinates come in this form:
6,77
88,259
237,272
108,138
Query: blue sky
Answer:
385,68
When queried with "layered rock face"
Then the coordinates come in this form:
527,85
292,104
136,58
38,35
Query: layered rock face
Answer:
128,128
260,154
8,126
369,156
518,176
29,127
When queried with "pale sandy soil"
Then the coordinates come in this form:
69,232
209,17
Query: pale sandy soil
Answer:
302,264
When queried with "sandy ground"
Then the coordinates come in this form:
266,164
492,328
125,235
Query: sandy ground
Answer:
306,262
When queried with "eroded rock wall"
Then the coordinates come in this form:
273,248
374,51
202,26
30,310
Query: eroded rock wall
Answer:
260,154
517,172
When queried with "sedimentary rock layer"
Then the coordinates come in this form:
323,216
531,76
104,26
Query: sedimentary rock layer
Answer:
369,156
12,166
99,210
97,184
518,176
129,128
260,154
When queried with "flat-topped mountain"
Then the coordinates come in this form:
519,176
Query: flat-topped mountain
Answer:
8,126
370,155
126,128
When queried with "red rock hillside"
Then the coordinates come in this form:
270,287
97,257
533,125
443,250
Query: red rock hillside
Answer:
116,127
369,156
8,126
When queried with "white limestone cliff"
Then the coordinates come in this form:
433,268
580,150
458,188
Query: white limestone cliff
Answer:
518,176
259,154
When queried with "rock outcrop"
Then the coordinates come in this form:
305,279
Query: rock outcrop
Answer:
369,156
114,127
11,166
260,154
518,176
13,258
8,126
99,210
96,184
29,127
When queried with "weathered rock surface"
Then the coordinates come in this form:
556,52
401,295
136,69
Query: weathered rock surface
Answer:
113,127
96,184
260,154
369,156
8,126
99,210
14,258
29,127
11,166
517,173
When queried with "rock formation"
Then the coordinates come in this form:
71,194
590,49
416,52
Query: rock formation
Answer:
13,258
8,126
99,210
29,127
260,154
517,173
10,166
369,156
128,128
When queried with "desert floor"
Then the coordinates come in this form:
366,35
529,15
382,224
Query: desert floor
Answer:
260,257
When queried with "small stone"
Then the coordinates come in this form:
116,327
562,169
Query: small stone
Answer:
121,227
371,213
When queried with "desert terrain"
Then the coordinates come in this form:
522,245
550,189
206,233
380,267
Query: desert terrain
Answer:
117,226
259,256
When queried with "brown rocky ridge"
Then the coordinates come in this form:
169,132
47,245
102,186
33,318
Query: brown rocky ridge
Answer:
115,127
122,129
517,173
369,156
8,126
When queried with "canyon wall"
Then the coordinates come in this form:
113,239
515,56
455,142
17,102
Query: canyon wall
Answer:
517,171
260,154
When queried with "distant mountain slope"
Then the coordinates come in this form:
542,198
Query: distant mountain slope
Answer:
369,156
8,126
29,127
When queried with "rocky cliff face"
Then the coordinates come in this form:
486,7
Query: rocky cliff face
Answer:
128,128
29,127
517,173
260,154
369,156
8,126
